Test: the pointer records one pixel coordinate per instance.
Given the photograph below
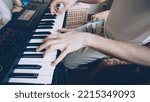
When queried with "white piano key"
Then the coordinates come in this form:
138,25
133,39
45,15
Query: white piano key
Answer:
38,60
39,80
41,35
26,71
42,30
44,71
33,52
48,14
47,19
44,63
44,25
36,41
32,47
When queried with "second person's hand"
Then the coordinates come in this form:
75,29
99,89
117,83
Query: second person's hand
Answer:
67,4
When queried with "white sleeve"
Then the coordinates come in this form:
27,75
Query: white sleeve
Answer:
5,12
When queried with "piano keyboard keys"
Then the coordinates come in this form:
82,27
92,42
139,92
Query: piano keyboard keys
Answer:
41,30
27,52
38,37
47,14
41,33
43,23
32,47
28,66
36,41
45,73
30,50
47,22
45,27
29,63
27,71
32,56
24,75
49,17
33,50
48,59
34,44
39,80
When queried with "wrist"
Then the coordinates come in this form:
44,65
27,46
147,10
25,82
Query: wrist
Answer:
89,40
94,41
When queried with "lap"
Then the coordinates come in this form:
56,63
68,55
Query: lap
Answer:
122,74
82,57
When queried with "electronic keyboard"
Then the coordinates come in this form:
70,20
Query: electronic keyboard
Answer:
19,38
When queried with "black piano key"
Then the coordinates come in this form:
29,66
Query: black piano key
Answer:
34,44
32,50
45,27
41,33
32,56
48,10
24,75
28,66
46,24
38,37
49,17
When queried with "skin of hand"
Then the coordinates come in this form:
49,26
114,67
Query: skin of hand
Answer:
71,41
17,3
17,9
67,4
17,6
67,42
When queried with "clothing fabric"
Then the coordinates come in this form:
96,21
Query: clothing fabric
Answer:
5,13
122,75
8,3
128,21
79,59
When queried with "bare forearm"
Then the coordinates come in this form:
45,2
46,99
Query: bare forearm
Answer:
123,50
92,1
